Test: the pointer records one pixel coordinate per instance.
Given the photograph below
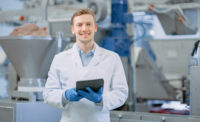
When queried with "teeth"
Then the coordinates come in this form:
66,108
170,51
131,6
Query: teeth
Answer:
85,34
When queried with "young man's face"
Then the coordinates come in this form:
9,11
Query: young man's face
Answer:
84,28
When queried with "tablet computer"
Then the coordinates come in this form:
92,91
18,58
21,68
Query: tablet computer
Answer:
94,84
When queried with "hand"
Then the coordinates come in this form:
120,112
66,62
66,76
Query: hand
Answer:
72,95
95,97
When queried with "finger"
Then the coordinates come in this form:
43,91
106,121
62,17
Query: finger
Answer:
74,92
100,90
82,93
89,90
79,97
74,89
79,94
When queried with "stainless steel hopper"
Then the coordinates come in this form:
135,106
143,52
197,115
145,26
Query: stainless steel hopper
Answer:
31,57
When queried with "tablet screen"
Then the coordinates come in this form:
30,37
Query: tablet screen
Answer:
94,84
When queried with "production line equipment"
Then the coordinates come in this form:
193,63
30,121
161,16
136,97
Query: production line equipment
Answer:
31,58
149,80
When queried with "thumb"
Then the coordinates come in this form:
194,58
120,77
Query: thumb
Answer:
100,90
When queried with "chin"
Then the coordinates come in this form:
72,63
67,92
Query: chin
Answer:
85,41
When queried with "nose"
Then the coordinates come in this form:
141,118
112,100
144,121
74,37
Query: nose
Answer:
84,27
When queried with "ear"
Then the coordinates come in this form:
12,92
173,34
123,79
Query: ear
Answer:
72,29
95,27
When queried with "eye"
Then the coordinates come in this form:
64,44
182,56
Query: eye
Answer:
89,24
79,25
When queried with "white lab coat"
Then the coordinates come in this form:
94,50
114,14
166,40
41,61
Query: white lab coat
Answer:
67,68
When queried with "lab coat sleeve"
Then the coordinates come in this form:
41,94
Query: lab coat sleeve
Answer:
118,92
53,92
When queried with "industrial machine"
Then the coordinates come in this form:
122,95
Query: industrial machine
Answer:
119,40
173,52
150,81
139,65
194,90
31,57
122,116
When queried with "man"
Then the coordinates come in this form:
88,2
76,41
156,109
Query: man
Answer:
86,60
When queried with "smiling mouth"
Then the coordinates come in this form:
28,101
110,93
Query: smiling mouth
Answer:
86,34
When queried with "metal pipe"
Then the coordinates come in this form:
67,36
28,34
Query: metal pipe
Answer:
44,9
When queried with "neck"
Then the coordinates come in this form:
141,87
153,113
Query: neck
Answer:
85,47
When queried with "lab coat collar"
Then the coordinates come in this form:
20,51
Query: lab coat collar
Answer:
95,60
91,52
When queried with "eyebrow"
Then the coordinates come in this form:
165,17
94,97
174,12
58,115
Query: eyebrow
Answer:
84,22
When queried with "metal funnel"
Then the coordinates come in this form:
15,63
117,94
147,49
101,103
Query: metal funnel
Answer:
31,57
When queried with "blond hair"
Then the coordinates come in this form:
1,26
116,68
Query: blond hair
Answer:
82,12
